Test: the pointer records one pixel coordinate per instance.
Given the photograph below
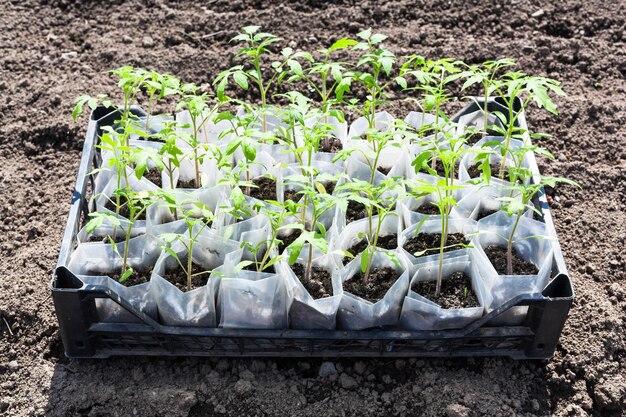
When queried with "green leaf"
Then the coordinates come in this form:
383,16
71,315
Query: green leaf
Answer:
377,38
248,151
366,34
126,274
250,29
342,44
241,265
364,258
241,79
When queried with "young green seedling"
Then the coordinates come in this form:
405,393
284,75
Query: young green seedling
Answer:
136,202
514,86
158,86
485,75
514,206
449,153
256,46
378,200
276,213
311,186
197,217
444,201
325,77
169,155
195,101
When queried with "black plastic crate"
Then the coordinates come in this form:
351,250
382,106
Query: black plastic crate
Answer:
84,336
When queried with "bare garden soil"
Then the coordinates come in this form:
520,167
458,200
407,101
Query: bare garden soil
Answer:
53,50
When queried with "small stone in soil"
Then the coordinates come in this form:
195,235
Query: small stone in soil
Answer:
320,285
265,190
377,285
456,291
154,175
497,256
178,277
430,243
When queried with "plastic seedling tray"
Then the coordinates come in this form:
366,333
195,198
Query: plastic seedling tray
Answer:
84,335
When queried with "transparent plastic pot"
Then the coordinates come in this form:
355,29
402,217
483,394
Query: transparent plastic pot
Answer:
495,158
195,308
433,226
252,300
476,120
354,232
106,195
339,130
90,261
483,198
356,313
529,246
420,313
305,312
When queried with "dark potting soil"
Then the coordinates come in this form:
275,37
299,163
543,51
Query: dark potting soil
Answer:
187,184
154,175
385,242
320,285
440,171
124,211
329,186
474,172
105,239
136,278
355,211
288,240
477,136
482,213
253,267
497,256
429,209
430,243
456,291
265,188
383,170
377,285
178,277
330,145
292,195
